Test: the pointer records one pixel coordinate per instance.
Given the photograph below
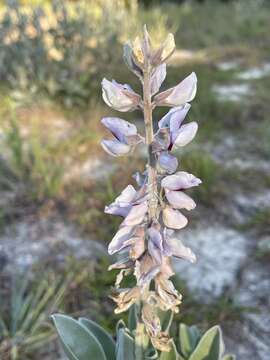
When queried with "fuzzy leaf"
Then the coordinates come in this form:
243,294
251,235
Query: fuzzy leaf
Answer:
172,355
103,337
79,343
125,347
188,339
210,346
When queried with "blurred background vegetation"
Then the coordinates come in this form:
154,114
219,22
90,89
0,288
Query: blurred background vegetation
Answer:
55,180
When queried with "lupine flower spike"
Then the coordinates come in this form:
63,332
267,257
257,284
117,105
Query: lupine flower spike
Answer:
147,237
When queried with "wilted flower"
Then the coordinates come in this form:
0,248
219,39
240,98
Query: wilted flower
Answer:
119,97
151,214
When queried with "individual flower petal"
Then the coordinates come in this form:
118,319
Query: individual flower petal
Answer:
119,97
173,218
140,178
125,263
166,266
120,128
136,215
122,204
145,270
119,241
129,60
137,243
174,118
157,78
141,195
167,162
179,181
184,135
168,47
174,247
137,248
155,244
115,147
180,200
180,94
162,140
138,52
164,52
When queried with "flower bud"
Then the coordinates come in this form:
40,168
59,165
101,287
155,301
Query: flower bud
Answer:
128,57
164,52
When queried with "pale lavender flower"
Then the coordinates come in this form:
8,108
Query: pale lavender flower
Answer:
157,78
115,147
151,214
167,162
179,200
123,203
179,95
179,135
119,97
126,136
180,181
174,247
173,218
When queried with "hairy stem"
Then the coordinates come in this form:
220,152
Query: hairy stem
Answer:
149,135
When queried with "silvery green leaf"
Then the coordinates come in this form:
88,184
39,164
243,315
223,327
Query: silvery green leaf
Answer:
210,346
125,346
103,337
166,318
171,355
78,342
188,339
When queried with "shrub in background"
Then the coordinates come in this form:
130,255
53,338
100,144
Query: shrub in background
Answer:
59,47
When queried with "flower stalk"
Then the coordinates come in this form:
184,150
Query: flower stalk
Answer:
149,136
147,235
